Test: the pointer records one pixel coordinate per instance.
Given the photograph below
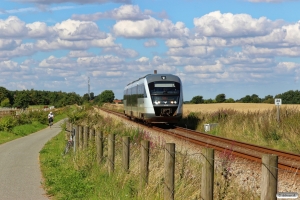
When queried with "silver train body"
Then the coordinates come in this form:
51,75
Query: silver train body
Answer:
154,98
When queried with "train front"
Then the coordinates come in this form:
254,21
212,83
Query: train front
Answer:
166,96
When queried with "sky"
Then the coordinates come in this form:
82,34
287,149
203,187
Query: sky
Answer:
232,47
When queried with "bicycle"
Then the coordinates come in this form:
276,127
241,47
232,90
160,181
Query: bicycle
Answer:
50,122
69,145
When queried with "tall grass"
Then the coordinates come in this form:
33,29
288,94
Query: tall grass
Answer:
79,176
257,127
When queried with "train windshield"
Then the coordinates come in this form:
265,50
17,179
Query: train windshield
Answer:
164,88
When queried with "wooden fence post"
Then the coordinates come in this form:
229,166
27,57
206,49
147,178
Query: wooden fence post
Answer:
169,171
269,176
145,144
92,134
207,179
126,152
99,146
111,153
85,137
76,137
80,137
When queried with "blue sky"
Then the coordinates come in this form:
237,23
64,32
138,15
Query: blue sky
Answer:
235,47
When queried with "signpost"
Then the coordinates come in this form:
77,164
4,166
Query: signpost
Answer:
278,103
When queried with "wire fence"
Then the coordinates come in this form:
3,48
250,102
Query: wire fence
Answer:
200,174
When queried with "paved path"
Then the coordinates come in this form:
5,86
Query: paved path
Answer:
20,175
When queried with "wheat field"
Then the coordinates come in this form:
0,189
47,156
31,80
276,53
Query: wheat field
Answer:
240,107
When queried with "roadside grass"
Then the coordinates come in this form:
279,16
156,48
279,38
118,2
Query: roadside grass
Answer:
79,175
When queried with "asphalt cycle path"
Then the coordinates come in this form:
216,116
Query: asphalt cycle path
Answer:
20,174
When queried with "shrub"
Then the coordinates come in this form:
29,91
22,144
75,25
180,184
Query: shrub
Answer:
7,123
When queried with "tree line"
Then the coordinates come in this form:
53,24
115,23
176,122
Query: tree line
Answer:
26,98
289,97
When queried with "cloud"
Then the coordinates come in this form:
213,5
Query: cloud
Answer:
217,67
150,43
201,51
125,12
72,1
12,27
77,54
35,9
118,50
216,24
76,30
58,63
267,52
150,28
9,44
40,30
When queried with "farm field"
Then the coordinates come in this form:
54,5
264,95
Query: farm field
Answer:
240,107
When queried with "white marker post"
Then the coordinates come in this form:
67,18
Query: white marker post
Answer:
278,104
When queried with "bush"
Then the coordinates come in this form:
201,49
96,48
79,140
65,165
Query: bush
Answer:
7,123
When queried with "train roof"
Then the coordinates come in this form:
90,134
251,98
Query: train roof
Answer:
157,77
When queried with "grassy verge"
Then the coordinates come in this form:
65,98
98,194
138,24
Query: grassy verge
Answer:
80,176
15,127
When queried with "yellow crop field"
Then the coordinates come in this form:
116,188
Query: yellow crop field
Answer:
241,107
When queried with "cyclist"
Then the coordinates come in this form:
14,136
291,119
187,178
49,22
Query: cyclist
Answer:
50,118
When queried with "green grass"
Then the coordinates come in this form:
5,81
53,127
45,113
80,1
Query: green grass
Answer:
7,136
78,176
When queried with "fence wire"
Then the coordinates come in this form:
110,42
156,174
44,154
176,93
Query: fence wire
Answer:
234,178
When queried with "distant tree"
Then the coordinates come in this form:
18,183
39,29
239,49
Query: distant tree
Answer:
290,97
230,100
106,96
268,99
220,98
197,100
4,93
246,99
22,99
255,98
92,96
85,97
209,101
5,103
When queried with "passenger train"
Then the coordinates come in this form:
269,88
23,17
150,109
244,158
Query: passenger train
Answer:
154,98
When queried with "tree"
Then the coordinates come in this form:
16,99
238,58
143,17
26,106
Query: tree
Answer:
106,96
230,100
197,100
22,99
290,97
255,98
220,98
5,103
4,93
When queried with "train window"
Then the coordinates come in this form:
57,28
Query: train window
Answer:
164,87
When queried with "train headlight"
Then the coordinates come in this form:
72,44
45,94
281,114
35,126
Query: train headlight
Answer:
175,102
157,102
171,102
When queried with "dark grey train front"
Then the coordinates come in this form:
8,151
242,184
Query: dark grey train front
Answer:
154,98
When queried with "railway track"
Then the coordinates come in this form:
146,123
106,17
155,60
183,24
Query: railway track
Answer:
287,161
